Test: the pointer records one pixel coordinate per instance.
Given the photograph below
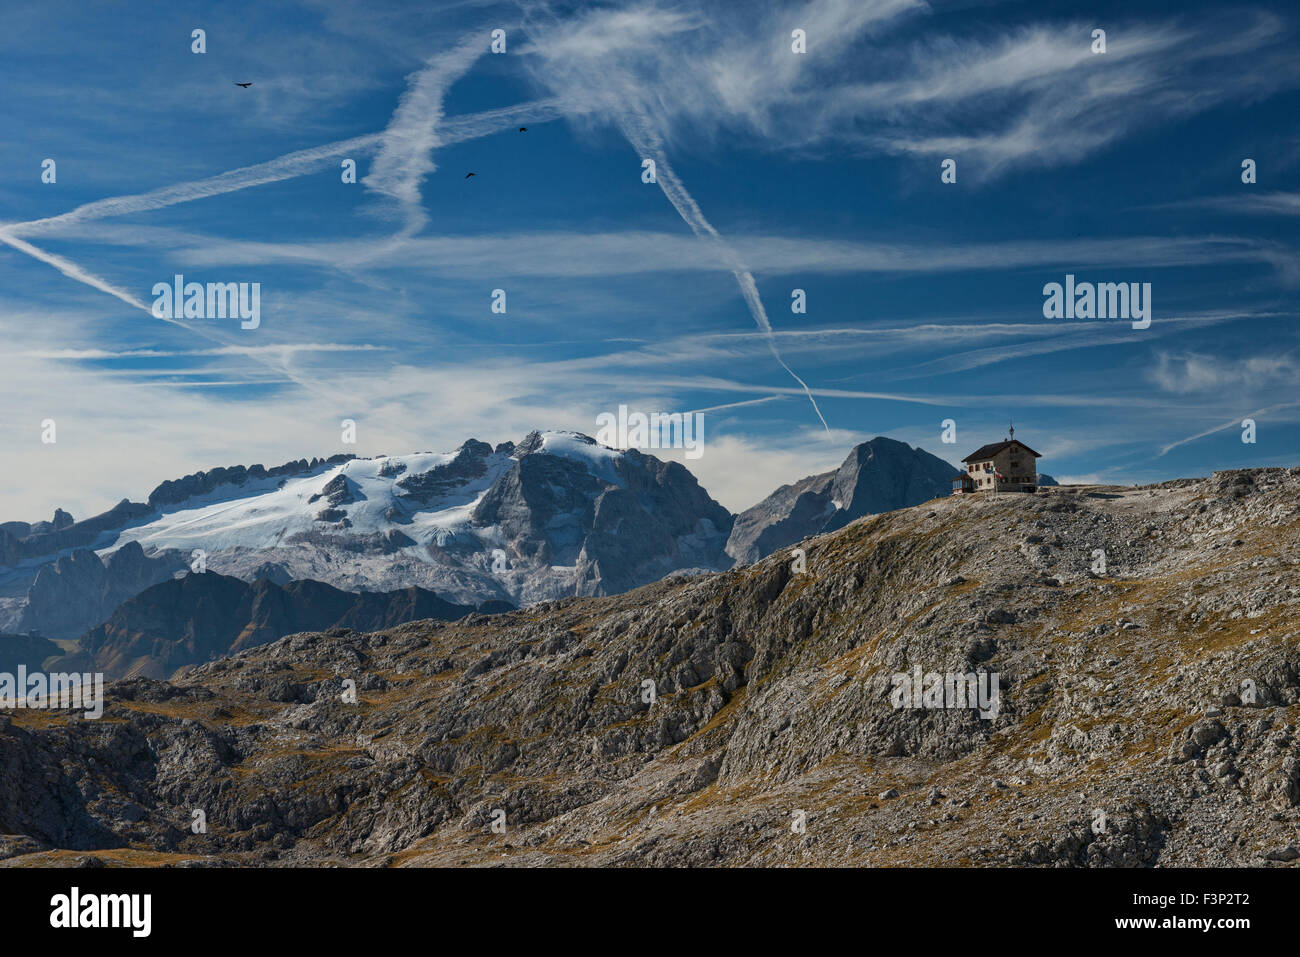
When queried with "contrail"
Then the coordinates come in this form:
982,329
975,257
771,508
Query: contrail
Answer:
1226,425
406,146
293,347
288,166
738,405
647,142
73,271
401,165
284,167
408,124
638,131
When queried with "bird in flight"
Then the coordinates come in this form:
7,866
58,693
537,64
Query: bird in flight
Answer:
244,85
468,175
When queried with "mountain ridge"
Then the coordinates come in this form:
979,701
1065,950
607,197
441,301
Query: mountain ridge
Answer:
554,515
196,618
1163,691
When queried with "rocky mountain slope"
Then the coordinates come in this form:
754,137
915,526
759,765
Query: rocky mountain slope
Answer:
198,618
30,651
1147,712
79,590
20,530
877,476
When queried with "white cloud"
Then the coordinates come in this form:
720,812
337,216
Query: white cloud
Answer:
572,254
288,166
1190,372
1034,95
740,471
407,144
1247,202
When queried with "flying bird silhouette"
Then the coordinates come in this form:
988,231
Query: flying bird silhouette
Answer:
468,175
244,85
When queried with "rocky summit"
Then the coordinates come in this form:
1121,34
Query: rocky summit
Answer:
1142,643
877,476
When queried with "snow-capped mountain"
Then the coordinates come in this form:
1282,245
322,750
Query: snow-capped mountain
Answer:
556,515
553,516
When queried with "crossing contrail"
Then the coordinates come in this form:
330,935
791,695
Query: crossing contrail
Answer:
72,270
398,174
406,147
647,142
290,165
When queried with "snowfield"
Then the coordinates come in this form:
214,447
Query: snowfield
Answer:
270,517
382,523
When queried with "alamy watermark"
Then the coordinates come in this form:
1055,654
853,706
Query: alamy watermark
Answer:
1103,300
57,690
655,430
74,909
179,299
932,689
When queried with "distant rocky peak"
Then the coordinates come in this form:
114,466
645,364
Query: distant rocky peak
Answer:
177,491
879,475
470,462
337,491
531,443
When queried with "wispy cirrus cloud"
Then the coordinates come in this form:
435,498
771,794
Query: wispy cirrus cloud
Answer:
594,254
731,69
1248,202
405,155
1040,97
289,166
1036,95
1189,372
612,301
231,350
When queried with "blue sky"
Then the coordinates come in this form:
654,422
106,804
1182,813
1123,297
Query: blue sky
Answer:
818,171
